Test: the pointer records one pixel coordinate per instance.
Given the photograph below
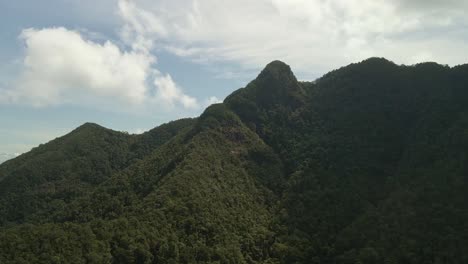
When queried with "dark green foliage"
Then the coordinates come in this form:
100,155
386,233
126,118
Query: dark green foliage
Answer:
42,181
368,164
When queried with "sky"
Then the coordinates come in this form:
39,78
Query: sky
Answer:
131,65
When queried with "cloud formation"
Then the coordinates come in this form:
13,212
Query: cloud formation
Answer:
169,93
60,66
312,35
7,156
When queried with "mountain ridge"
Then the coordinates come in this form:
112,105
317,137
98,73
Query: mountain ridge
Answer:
364,165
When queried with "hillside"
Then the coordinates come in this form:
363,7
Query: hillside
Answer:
367,164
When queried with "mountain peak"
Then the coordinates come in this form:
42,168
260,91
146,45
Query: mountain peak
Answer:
376,60
377,64
275,85
89,126
277,70
277,66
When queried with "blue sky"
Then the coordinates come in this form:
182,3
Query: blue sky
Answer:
131,65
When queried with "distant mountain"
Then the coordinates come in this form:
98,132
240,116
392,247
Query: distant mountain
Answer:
367,164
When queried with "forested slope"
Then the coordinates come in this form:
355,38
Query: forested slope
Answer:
367,164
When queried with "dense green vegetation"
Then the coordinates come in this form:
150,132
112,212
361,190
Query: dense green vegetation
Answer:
367,164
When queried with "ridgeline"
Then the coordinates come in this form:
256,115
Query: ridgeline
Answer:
368,164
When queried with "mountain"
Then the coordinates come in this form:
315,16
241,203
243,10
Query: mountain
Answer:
367,164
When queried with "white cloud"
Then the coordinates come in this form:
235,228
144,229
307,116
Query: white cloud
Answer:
7,156
169,93
312,35
138,24
60,66
138,131
212,100
431,5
